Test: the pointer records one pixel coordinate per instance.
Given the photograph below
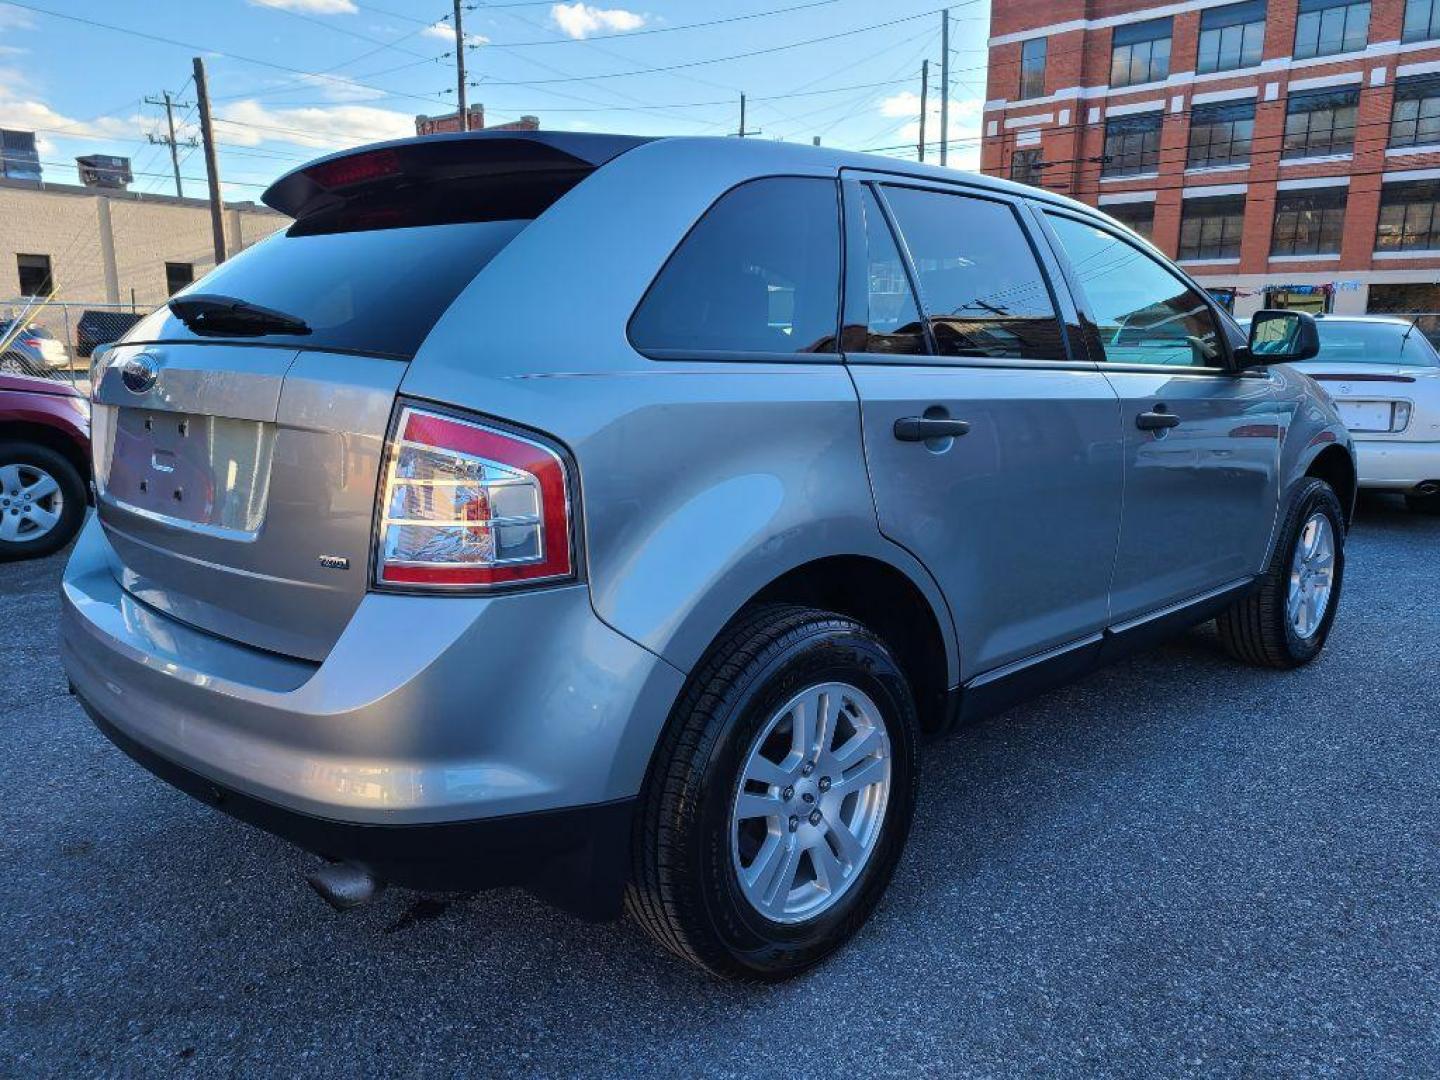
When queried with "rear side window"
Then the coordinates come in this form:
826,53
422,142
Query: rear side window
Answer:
377,290
885,317
979,282
759,273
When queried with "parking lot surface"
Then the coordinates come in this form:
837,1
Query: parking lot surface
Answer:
1178,865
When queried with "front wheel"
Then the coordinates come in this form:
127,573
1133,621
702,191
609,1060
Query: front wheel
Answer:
780,798
1423,504
1286,619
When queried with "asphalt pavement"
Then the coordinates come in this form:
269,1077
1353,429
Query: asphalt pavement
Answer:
1176,866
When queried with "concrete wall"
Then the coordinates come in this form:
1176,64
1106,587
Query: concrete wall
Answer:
103,246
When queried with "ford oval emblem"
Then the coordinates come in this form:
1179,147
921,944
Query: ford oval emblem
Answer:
139,373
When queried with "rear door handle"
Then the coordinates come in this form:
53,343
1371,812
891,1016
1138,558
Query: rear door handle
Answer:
1158,420
919,428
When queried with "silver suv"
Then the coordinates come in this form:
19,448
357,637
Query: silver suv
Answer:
612,517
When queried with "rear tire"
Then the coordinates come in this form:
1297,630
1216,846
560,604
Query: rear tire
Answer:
49,519
1423,504
1266,628
706,808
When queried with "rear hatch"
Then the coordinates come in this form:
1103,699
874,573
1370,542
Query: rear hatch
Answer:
238,454
1380,400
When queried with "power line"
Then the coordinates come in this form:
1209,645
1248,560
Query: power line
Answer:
658,29
723,59
192,47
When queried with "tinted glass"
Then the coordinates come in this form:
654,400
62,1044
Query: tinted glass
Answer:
886,304
978,278
760,273
1144,314
1373,343
376,291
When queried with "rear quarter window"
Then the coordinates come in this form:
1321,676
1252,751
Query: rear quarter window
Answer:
758,274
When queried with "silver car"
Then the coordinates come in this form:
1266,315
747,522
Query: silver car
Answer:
613,517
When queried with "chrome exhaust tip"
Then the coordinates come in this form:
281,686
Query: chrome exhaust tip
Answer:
344,885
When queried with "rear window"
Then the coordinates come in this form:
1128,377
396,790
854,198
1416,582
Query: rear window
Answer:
379,290
1373,343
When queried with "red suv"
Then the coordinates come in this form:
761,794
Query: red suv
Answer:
44,465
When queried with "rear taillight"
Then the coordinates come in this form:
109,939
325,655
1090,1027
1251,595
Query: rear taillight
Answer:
469,505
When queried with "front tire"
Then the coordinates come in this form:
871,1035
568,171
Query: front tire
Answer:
780,798
1423,504
1285,621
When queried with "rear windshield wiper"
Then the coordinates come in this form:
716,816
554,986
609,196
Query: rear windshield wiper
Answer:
226,316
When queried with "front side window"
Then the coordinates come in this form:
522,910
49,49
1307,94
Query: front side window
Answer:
1320,122
1422,20
1221,134
979,281
1132,145
1211,228
1032,68
1140,52
883,315
1415,116
1325,27
759,273
1143,313
1409,216
1231,37
1138,217
1309,221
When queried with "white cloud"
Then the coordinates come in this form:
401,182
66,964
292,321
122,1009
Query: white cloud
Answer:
340,88
965,123
13,18
333,127
310,7
443,31
580,20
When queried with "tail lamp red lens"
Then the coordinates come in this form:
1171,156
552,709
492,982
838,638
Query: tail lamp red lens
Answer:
466,504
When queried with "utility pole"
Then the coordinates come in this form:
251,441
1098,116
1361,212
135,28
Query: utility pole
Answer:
944,86
744,131
460,66
212,167
170,106
924,103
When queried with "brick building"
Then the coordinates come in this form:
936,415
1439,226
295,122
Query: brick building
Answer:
450,122
97,246
1286,152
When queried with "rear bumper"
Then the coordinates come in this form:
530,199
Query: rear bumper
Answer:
1394,465
451,725
576,858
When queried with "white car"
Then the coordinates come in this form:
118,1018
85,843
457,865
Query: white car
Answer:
1384,376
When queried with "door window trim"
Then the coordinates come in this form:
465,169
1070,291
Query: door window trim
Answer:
751,356
854,241
1082,301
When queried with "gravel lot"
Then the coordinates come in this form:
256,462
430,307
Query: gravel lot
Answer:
1176,866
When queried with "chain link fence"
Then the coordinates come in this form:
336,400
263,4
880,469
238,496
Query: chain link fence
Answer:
51,339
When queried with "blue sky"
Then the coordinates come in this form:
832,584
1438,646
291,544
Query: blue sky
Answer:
291,79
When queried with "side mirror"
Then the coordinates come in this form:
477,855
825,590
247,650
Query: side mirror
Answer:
1281,337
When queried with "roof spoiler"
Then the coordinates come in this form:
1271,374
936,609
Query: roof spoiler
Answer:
329,182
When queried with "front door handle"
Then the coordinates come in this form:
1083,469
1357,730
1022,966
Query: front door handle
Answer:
1158,420
920,428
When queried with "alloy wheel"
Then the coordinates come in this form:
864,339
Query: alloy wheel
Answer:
1312,576
31,503
811,802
